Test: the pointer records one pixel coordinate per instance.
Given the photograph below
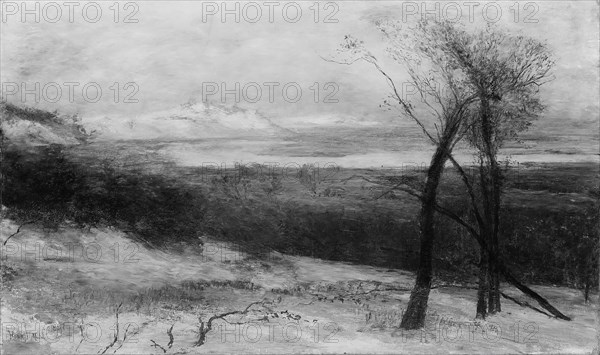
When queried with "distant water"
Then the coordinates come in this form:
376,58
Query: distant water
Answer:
373,147
363,148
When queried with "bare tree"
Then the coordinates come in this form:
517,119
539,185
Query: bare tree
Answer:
442,115
490,83
506,72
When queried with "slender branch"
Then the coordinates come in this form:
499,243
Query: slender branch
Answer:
206,327
169,345
405,105
116,338
18,230
157,345
124,339
469,187
407,109
82,336
459,220
171,338
360,177
495,259
524,304
397,187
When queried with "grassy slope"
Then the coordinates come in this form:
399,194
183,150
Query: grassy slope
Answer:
158,290
64,291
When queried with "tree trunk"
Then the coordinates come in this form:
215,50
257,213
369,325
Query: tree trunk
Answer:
503,269
490,178
586,292
496,183
483,290
494,297
414,316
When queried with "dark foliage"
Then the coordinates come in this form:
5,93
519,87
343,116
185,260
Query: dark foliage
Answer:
47,184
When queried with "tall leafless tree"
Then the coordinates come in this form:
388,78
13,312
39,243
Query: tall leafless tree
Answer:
474,77
445,106
506,71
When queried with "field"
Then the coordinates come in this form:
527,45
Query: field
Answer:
328,254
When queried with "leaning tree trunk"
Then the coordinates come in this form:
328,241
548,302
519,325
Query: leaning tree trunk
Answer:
510,278
529,292
414,316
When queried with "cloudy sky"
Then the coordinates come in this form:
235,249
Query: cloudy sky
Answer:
172,51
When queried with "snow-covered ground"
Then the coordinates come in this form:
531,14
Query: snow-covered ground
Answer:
61,290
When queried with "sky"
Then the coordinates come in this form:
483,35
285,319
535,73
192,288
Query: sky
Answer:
160,54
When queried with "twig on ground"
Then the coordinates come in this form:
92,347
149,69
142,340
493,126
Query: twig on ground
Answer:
169,344
124,339
82,336
206,327
306,304
158,346
171,338
116,338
